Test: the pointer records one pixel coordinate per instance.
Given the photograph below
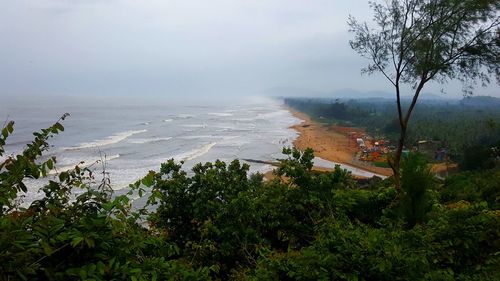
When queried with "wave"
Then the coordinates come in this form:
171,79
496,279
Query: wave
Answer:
168,120
184,116
220,114
116,138
195,137
194,125
200,137
195,153
245,119
146,123
235,128
150,140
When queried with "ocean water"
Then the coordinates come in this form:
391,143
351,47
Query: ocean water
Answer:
134,138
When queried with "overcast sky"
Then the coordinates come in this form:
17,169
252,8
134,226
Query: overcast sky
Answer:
176,48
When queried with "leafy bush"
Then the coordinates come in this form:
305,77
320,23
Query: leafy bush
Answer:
64,236
474,187
417,184
219,222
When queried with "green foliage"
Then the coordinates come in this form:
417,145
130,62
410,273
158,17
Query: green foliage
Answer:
15,169
478,157
417,183
219,222
474,187
206,214
416,41
464,238
78,230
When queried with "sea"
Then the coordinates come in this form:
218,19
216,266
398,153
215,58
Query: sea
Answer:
128,138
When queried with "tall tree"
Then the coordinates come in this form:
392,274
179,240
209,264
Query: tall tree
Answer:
418,41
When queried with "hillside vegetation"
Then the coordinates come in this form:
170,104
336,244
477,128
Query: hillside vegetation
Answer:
460,127
218,222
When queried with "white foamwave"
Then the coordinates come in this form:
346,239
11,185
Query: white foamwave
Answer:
146,123
168,120
245,119
149,140
220,114
195,125
184,116
195,153
200,137
116,138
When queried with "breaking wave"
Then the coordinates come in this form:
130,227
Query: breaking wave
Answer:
194,125
220,114
116,138
184,116
149,140
195,153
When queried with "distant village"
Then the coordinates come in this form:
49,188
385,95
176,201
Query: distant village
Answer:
375,150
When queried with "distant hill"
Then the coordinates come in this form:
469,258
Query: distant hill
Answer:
354,94
347,93
481,101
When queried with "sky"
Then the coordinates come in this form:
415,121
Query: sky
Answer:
183,48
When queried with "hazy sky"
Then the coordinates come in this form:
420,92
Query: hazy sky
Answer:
177,48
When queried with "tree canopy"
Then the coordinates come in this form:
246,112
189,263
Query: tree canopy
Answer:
417,41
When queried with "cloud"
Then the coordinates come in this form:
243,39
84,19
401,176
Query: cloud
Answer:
173,47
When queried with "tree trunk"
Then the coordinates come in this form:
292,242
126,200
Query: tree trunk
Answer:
396,162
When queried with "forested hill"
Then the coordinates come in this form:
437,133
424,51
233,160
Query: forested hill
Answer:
481,102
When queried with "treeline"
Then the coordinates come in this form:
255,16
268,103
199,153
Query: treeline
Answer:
456,126
218,222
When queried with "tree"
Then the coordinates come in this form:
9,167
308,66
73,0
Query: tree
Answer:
418,41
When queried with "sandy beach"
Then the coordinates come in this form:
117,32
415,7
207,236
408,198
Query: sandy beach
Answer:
331,143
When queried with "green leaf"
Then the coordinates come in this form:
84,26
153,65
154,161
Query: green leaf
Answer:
59,127
76,241
46,248
148,179
50,164
63,176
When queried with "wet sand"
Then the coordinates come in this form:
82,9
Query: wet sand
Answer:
331,143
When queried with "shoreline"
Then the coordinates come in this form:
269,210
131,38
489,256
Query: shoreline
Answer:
330,142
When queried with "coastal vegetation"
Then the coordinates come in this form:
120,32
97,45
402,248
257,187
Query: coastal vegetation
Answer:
219,222
467,129
415,42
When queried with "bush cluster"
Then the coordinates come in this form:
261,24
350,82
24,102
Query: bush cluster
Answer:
218,222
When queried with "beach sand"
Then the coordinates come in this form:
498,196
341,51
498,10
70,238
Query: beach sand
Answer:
331,143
